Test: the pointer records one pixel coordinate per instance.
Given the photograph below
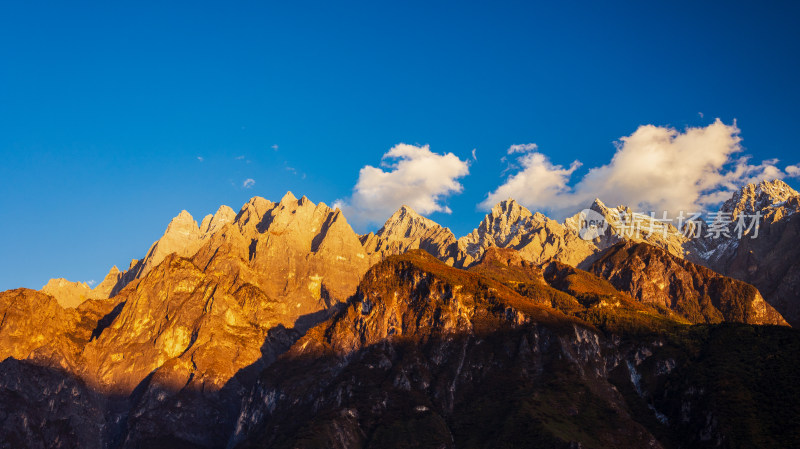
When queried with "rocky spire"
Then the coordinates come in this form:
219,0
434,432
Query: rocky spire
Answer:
757,197
288,199
406,230
223,216
251,214
536,237
406,223
68,294
104,288
182,237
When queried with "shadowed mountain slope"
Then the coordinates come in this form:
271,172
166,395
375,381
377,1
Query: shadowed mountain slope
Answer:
426,355
700,295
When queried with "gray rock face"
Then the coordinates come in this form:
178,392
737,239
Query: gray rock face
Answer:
406,230
698,294
759,198
771,260
536,237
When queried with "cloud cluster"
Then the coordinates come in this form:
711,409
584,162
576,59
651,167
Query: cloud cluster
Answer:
522,148
538,185
248,183
655,168
414,176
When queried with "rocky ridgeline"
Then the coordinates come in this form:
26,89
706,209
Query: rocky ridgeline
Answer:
508,225
184,347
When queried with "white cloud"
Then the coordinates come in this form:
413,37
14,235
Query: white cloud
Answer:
200,158
474,157
523,148
793,171
538,184
91,283
275,147
248,183
239,158
417,177
655,168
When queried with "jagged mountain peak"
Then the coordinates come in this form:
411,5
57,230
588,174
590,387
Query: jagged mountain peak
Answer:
252,212
291,203
598,204
297,226
225,212
206,222
68,294
257,206
257,203
538,238
182,236
406,222
104,288
182,224
506,218
609,212
510,208
183,217
407,230
405,211
297,212
758,196
61,282
215,222
776,185
288,198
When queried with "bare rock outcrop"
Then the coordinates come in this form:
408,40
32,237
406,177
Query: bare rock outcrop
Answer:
536,237
68,294
106,286
652,275
406,230
766,258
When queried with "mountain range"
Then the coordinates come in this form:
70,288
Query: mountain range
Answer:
279,326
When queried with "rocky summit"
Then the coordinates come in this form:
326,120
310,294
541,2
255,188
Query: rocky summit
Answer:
279,326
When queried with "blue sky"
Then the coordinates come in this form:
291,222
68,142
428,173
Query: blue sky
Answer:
106,107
